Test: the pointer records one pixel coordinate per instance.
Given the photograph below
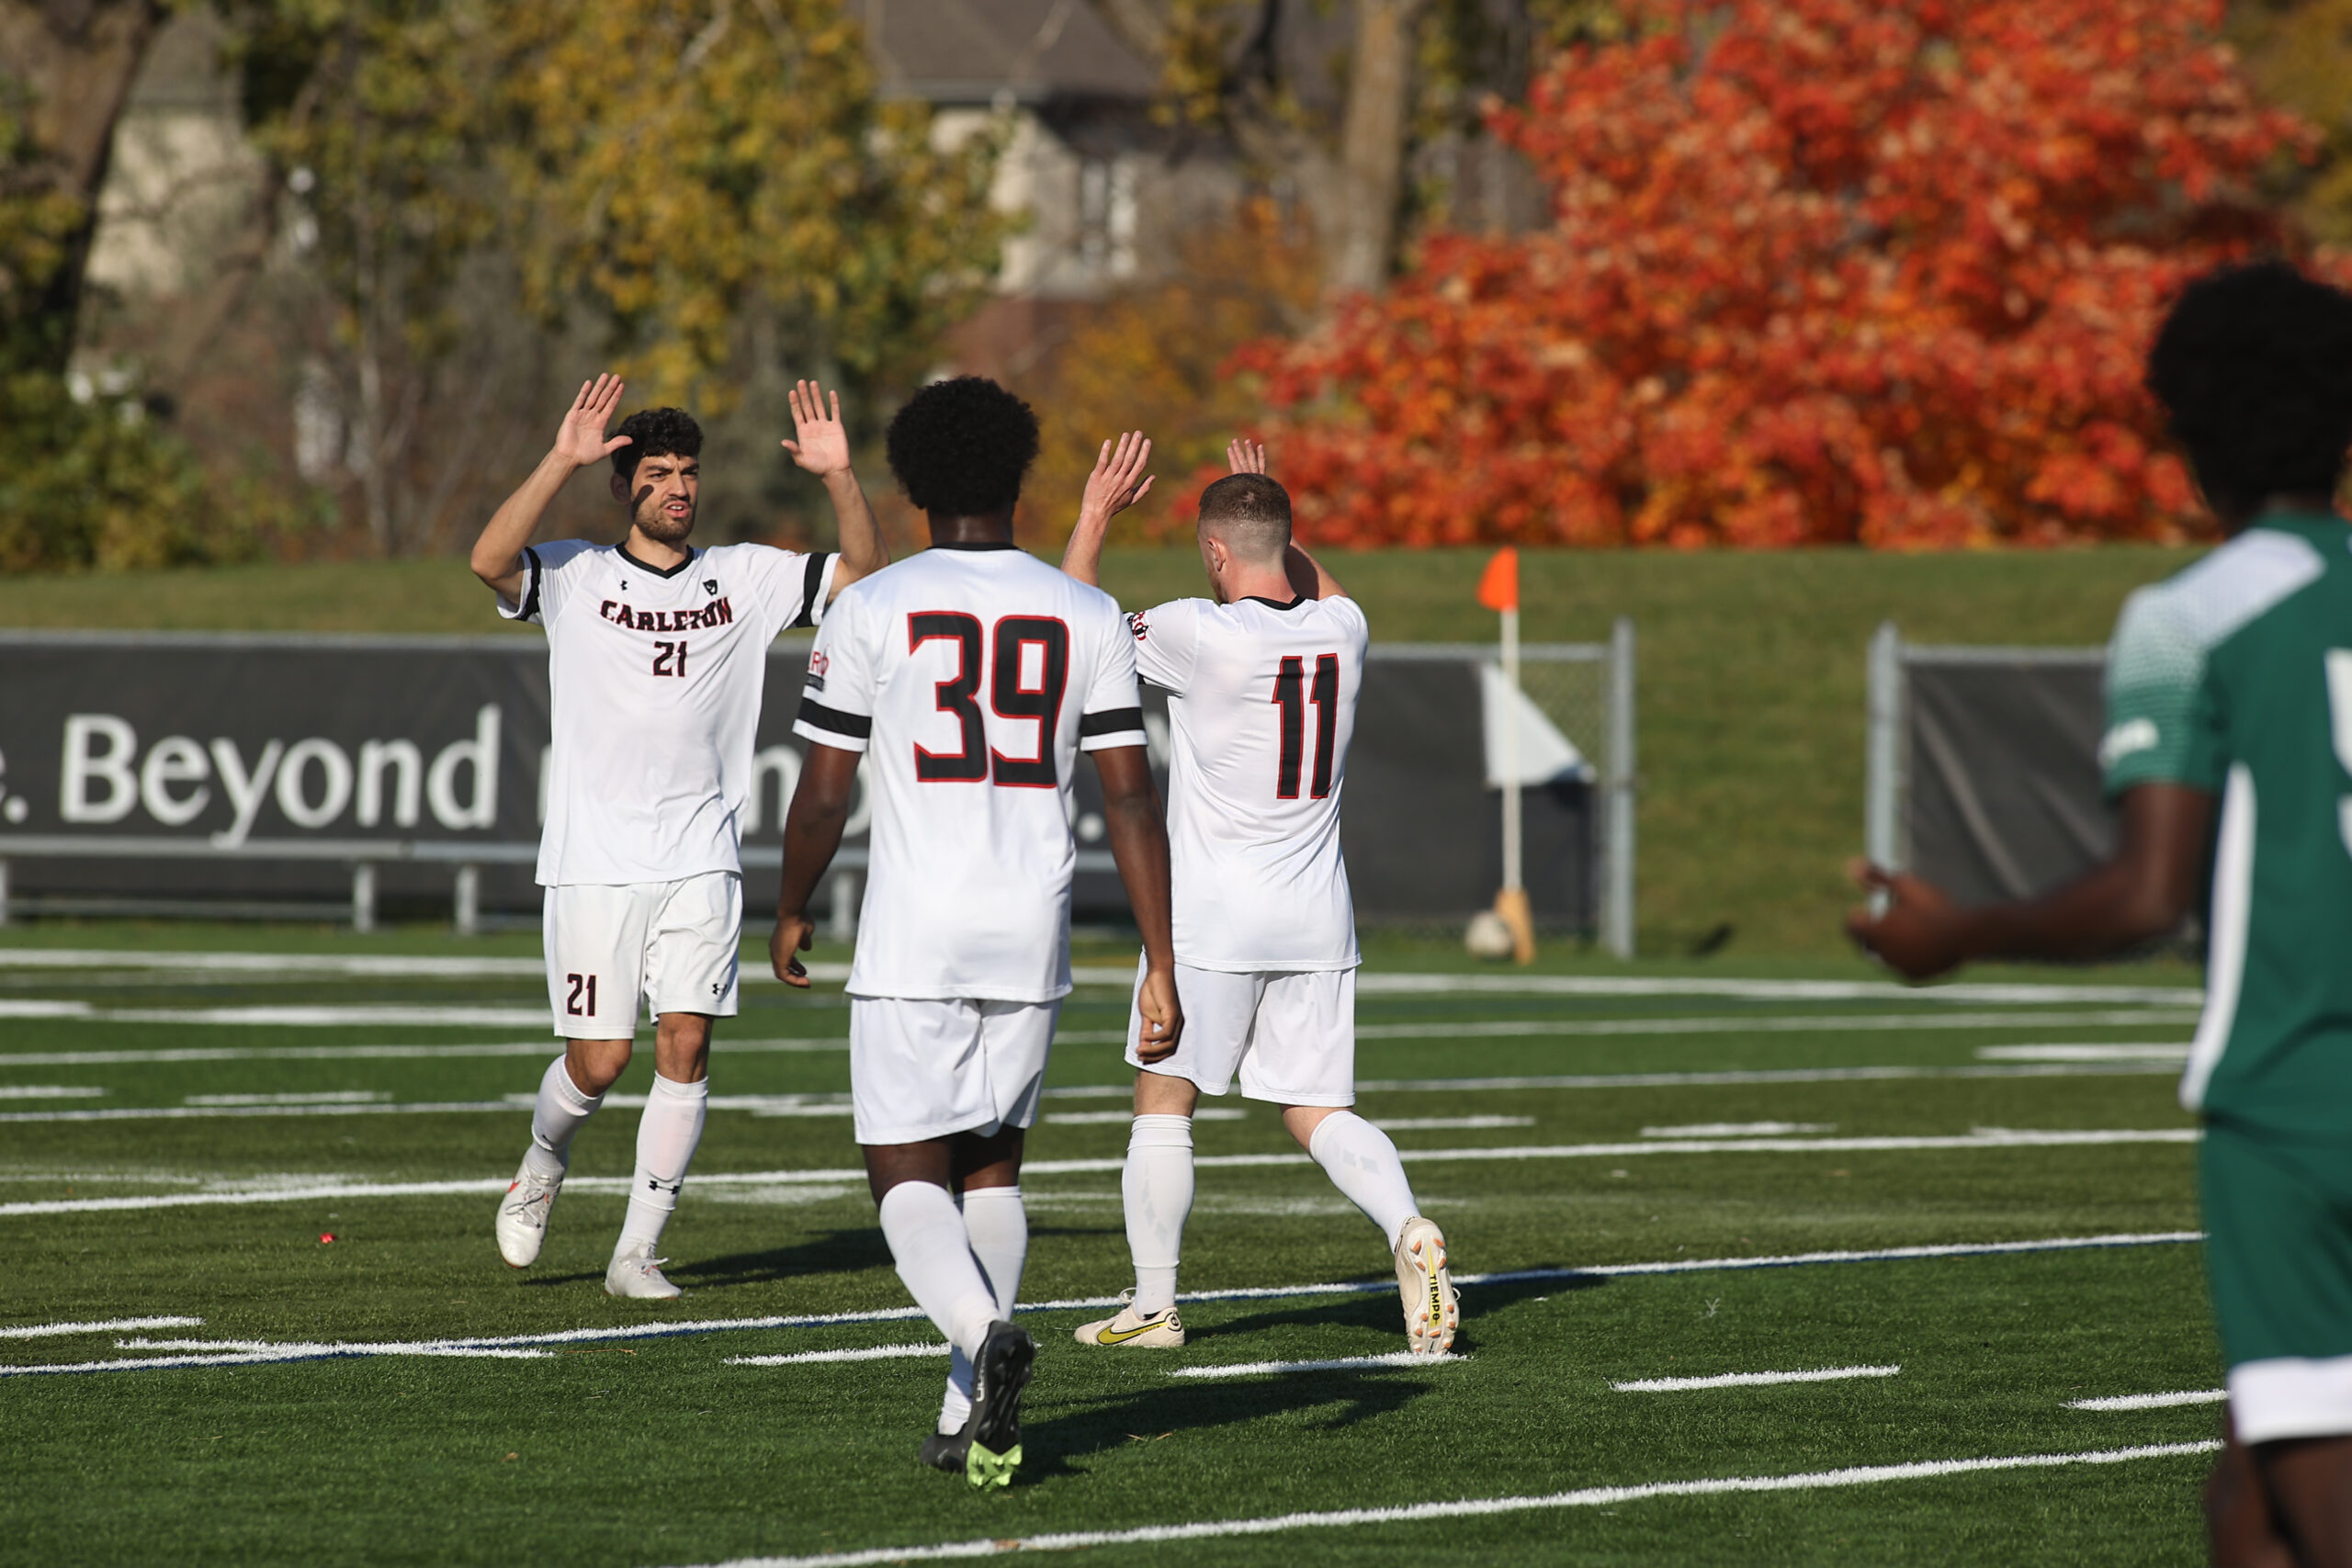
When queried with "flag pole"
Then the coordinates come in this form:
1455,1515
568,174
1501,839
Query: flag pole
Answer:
1498,589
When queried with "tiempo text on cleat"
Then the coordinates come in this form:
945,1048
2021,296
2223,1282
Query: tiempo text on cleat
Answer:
1431,1311
523,1217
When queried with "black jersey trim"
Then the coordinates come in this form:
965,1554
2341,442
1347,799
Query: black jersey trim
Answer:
857,726
974,544
531,597
623,551
809,583
1110,721
1269,604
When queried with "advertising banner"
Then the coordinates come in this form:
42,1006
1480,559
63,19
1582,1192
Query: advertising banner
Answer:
180,769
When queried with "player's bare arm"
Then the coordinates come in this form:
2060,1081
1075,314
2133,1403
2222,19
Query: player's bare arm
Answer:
820,443
1117,482
1139,838
2141,893
580,441
812,832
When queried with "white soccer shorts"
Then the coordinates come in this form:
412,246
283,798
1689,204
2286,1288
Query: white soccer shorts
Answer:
1290,1033
670,944
923,1068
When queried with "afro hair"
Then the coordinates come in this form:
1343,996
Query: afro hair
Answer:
2253,365
656,433
960,447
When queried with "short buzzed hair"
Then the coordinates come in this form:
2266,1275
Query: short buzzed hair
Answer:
1251,513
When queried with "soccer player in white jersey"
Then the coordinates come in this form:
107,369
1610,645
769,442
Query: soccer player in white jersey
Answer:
657,654
968,677
1262,681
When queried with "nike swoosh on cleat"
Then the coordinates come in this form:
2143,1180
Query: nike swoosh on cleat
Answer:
1107,1337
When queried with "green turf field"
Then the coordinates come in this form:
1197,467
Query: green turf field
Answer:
177,1135
1750,691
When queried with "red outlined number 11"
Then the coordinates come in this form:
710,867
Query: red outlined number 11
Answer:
1292,694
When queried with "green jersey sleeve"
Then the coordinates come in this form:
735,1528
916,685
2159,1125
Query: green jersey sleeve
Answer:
2163,721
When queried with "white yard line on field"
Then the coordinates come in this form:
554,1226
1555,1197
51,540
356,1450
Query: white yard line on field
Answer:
1719,1023
48,1091
1341,1363
1986,1138
1473,1507
540,1048
103,1325
1750,1380
419,966
1249,1293
874,1353
2152,1401
2167,1053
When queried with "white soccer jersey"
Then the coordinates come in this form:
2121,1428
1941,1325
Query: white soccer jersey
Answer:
971,676
654,680
1263,706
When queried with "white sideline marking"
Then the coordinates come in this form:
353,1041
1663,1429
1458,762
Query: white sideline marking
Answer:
48,1091
1247,1294
286,1352
541,1048
1446,1123
322,1097
1734,1076
1710,1024
1259,1369
2165,1052
1472,1508
878,1353
1985,1138
397,965
1750,1380
103,1325
2152,1401
1739,1129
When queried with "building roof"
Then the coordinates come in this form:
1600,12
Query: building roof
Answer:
980,52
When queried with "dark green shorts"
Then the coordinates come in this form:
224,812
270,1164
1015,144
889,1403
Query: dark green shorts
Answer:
2278,1253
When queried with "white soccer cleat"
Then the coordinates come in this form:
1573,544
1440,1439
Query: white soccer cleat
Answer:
523,1217
637,1276
1161,1331
1431,1313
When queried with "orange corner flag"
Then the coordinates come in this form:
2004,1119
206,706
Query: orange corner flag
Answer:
1498,589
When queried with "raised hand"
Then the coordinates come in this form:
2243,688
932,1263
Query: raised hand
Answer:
1118,481
822,444
580,439
1243,455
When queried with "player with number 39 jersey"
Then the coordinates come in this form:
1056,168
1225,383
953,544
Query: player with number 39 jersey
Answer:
990,672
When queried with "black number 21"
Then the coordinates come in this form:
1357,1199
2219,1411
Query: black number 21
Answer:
1292,695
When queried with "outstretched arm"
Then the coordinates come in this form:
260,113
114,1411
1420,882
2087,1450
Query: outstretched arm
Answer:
812,832
2140,894
1139,845
579,442
820,445
1117,482
1307,578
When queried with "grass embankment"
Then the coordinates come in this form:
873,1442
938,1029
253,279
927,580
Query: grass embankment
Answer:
1750,694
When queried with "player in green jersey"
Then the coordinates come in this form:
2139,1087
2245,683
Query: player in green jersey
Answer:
2228,747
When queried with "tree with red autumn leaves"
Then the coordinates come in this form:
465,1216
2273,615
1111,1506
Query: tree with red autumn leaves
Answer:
1818,271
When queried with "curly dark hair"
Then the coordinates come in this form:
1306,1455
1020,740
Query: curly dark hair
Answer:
656,433
960,447
2254,364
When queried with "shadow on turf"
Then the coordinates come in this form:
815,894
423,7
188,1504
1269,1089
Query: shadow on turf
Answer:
1095,1426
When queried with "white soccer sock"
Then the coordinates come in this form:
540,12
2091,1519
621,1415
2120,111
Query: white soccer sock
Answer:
1157,1186
933,1254
1362,1163
997,1225
666,1136
562,1110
